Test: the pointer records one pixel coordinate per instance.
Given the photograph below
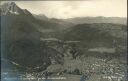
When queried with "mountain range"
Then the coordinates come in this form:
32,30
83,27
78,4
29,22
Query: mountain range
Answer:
33,40
100,19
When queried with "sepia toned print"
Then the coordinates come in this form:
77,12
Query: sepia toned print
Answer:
64,40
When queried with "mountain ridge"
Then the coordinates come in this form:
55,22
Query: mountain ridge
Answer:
26,39
12,8
98,19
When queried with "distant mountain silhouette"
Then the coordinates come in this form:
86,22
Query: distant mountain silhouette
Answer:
60,23
82,20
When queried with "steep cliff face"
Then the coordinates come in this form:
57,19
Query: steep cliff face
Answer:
12,8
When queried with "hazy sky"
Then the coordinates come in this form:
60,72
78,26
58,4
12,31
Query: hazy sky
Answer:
68,9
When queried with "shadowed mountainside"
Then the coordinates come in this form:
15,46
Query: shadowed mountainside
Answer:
21,38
